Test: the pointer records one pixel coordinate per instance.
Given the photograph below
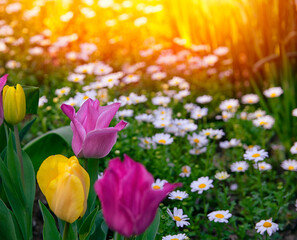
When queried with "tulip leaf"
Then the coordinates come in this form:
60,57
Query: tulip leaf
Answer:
15,199
50,143
151,232
87,225
50,230
101,228
3,141
30,183
26,128
7,230
32,99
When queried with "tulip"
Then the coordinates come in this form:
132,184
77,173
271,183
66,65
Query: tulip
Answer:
92,138
65,184
2,83
14,104
129,203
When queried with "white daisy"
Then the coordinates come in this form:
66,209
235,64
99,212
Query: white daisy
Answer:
204,99
240,166
198,113
228,144
42,101
144,117
186,171
229,105
266,122
255,154
160,100
197,151
178,195
294,112
262,166
147,143
180,236
222,175
75,77
179,217
125,113
202,184
162,138
273,92
250,98
266,225
159,184
293,149
198,140
219,216
62,91
290,165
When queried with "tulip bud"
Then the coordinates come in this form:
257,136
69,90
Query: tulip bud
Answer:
14,104
65,184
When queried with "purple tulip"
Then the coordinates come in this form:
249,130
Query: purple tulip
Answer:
92,138
128,201
2,83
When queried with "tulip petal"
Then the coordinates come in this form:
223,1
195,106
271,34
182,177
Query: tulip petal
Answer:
106,115
88,114
79,133
65,196
3,81
98,143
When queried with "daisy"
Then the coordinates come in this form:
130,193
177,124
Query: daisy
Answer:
222,175
180,236
293,149
160,100
255,154
179,217
42,101
71,101
290,165
204,99
175,81
186,171
226,116
102,69
198,140
162,112
125,113
217,134
80,98
110,80
162,138
158,76
256,114
202,184
190,106
198,151
219,216
62,91
198,113
131,78
77,78
228,144
240,166
221,51
209,132
229,105
262,166
159,184
144,117
188,127
250,99
179,195
273,92
85,68
294,112
266,225
147,143
266,122
161,123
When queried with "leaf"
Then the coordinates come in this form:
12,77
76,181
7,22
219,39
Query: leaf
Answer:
32,99
152,230
101,228
87,225
15,199
3,141
53,142
26,128
7,230
50,231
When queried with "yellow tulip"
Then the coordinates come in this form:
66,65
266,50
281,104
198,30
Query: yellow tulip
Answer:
14,104
65,184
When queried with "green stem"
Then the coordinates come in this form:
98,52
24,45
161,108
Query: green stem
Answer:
93,170
66,229
19,150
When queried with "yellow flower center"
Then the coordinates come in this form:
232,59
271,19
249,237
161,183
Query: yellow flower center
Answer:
174,239
273,95
255,155
177,218
219,215
178,197
196,140
162,125
102,70
262,167
84,70
156,187
202,185
85,97
263,123
127,98
162,141
290,168
63,91
250,101
207,133
240,168
76,79
146,141
267,224
163,112
109,80
229,106
198,115
185,170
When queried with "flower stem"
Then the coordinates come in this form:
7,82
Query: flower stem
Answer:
19,150
66,229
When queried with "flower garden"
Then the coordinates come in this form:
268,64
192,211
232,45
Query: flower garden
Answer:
148,119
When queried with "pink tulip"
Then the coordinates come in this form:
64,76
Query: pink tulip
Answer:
2,83
128,201
92,138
